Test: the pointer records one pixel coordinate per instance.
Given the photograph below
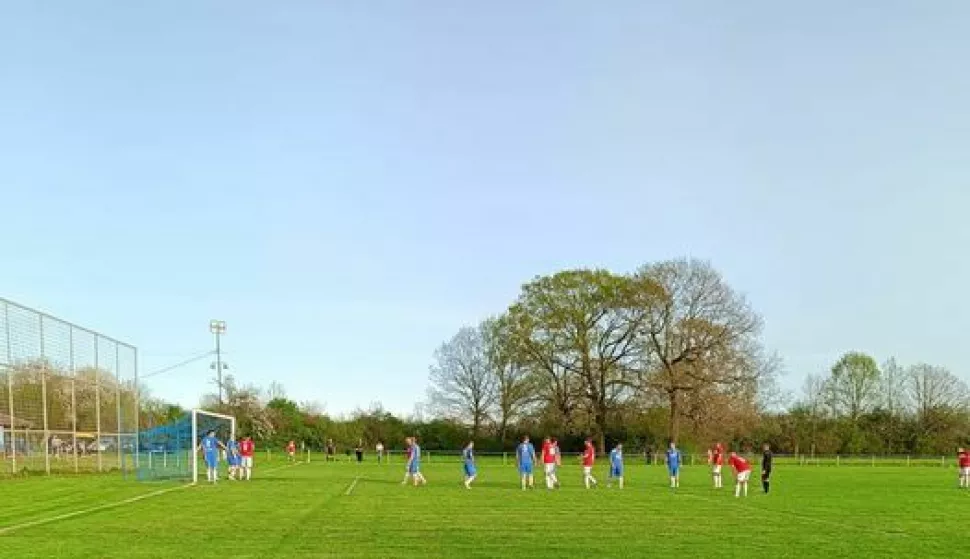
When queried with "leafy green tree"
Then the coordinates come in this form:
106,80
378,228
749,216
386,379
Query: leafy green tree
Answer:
853,387
577,329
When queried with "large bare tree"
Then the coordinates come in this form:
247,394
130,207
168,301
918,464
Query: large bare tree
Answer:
699,333
939,400
935,388
462,384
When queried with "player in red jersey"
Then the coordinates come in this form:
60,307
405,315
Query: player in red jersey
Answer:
742,470
716,461
589,459
246,451
963,462
291,450
550,454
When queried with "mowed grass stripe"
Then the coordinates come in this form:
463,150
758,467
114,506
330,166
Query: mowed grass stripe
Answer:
67,498
302,511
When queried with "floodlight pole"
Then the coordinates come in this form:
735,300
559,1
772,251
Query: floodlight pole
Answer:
218,328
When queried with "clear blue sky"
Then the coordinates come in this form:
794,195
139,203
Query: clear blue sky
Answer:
348,183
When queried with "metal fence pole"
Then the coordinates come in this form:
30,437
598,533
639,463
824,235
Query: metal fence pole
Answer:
97,401
43,398
137,404
121,465
13,421
70,338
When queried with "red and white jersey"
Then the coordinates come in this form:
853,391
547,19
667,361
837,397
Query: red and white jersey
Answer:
246,448
739,464
717,458
589,456
291,447
549,452
963,459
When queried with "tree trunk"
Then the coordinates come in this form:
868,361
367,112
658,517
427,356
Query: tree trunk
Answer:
674,415
600,420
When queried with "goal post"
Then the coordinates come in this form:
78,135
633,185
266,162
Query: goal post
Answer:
169,451
224,427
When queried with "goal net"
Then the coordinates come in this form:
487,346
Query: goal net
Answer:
168,451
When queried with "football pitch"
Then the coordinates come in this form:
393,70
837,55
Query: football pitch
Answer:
345,510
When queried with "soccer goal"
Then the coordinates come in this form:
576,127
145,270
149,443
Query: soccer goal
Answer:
168,451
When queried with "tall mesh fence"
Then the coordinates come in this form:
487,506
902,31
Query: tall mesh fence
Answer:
68,396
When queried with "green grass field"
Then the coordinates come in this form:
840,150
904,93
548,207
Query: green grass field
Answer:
317,510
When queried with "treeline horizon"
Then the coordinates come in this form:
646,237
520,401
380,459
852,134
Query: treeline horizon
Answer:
667,352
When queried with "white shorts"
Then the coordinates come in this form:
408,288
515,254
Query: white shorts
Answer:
550,469
743,476
717,470
247,462
587,470
965,472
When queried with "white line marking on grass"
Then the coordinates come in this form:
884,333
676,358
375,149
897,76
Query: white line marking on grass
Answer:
353,484
41,521
809,518
48,520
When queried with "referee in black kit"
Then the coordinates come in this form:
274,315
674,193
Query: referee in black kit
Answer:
766,459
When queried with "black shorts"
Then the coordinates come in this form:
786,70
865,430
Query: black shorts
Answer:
765,475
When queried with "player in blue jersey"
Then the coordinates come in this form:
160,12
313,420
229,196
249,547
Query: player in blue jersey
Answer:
616,465
414,463
673,465
468,458
233,459
525,459
210,446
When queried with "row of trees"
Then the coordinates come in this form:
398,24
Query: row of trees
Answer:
856,408
862,407
584,351
671,351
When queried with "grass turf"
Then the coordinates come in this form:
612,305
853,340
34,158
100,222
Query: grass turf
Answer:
309,510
